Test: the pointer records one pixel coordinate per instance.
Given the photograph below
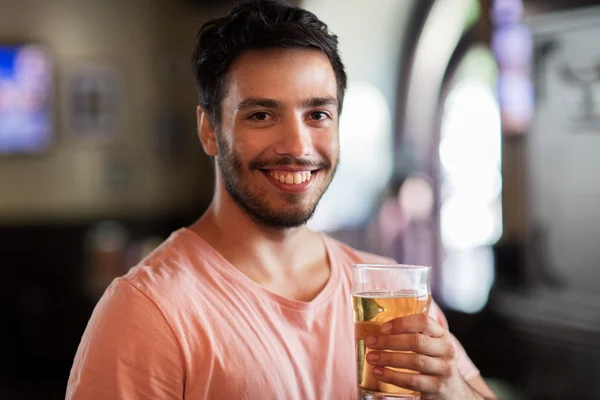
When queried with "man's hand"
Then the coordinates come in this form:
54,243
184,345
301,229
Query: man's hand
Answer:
427,349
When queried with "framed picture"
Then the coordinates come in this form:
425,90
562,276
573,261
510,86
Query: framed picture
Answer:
95,102
26,99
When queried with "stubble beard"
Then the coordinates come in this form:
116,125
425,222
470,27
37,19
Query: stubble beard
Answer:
254,201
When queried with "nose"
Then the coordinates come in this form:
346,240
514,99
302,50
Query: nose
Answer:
295,139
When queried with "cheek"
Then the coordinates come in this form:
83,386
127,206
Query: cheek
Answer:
330,143
249,148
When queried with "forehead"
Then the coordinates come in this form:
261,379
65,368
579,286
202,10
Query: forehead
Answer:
282,74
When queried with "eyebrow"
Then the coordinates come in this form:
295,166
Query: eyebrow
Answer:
270,103
258,102
319,102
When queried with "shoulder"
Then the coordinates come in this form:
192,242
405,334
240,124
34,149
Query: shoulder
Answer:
127,345
355,256
172,267
163,289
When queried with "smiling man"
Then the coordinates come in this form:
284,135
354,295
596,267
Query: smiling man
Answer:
247,302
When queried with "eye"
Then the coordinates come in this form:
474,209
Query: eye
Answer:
260,117
318,115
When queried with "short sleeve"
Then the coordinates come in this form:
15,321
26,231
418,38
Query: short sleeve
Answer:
128,351
465,366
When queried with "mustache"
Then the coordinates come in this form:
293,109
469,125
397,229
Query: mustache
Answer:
288,161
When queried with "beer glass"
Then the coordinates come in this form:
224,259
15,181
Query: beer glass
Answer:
380,293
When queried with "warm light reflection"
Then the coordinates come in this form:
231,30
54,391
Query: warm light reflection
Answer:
471,213
467,223
416,198
466,277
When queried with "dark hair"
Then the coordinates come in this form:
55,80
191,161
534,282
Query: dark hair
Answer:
258,24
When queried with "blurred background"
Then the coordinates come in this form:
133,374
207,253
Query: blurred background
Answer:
470,140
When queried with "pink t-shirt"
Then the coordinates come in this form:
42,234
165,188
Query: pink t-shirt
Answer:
186,324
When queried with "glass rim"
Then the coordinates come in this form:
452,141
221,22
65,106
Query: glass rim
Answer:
391,266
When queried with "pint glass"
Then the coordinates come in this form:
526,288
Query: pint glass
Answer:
380,293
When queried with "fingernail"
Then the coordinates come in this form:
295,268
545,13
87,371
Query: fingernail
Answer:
386,328
371,340
373,357
377,371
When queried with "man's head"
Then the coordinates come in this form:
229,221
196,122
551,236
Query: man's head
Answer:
271,84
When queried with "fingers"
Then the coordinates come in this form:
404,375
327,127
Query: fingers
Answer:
368,379
416,382
417,333
414,324
415,342
415,362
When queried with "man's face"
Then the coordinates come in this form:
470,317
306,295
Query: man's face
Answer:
278,145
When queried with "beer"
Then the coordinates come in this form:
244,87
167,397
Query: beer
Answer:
371,310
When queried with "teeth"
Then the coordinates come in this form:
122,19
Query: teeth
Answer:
290,178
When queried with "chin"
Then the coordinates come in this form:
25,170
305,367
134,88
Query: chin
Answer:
284,220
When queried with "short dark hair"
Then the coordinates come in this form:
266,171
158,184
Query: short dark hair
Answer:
259,24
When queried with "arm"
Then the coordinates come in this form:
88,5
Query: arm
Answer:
128,351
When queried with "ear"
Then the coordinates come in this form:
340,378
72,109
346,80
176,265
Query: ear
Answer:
206,132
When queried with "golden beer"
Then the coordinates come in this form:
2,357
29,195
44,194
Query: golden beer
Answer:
371,310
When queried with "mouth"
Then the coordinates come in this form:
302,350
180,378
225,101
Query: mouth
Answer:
291,181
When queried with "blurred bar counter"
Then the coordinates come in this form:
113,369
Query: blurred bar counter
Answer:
562,331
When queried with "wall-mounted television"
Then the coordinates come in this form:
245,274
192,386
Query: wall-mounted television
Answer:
26,91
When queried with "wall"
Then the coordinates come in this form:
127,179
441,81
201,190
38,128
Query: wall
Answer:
150,42
563,147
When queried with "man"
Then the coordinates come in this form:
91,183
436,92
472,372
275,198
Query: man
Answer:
248,303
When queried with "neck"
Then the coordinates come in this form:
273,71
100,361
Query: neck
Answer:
263,253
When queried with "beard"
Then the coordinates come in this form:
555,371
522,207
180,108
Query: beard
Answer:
254,201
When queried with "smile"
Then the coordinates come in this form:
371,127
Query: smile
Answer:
291,177
291,181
